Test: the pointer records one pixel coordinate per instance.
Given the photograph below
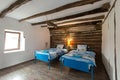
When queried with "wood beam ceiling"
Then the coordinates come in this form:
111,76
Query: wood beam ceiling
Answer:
79,24
85,19
102,9
61,8
89,22
13,6
84,23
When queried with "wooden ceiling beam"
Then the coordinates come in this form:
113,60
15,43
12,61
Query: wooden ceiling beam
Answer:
85,19
105,7
80,24
61,8
91,12
13,6
84,23
94,11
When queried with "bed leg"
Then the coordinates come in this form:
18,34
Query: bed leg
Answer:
35,60
92,73
61,67
49,65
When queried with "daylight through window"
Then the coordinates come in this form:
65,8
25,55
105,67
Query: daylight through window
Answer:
13,40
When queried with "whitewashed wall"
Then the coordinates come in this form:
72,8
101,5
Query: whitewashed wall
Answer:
117,9
108,45
108,40
42,36
35,38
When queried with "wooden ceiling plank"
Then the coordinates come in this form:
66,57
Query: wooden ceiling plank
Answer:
13,6
61,8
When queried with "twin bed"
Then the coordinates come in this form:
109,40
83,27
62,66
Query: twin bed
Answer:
50,54
79,59
83,61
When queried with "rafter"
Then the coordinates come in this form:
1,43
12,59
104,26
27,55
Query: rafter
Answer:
83,23
94,11
61,8
79,24
13,6
85,19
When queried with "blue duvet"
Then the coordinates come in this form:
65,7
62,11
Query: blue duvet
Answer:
79,60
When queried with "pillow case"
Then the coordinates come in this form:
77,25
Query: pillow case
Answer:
82,48
44,51
60,46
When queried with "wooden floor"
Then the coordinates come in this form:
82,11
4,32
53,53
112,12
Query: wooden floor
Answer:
40,71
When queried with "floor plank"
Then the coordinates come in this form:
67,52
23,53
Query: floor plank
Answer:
40,71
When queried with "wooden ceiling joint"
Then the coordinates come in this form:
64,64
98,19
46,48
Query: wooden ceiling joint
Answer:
51,24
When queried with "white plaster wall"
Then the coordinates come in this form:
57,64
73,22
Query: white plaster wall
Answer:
117,10
108,42
105,45
42,36
108,45
111,45
35,38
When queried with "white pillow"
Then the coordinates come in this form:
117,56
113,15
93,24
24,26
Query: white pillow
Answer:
82,48
60,46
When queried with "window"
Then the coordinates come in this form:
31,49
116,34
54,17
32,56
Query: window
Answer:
14,41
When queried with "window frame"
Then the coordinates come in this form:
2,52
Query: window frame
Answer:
18,45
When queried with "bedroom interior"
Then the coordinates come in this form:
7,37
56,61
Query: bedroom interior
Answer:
59,40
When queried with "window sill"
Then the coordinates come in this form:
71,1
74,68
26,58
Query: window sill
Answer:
13,51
